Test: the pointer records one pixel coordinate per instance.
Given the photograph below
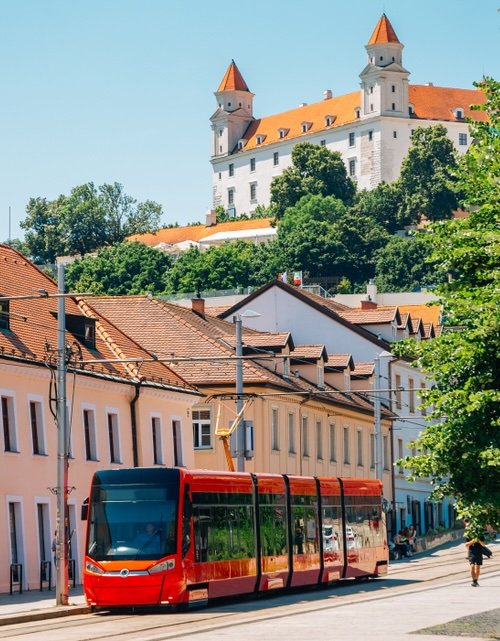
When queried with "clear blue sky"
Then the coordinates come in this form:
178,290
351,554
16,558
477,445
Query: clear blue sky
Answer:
122,90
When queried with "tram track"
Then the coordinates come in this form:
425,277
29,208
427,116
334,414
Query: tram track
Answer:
148,626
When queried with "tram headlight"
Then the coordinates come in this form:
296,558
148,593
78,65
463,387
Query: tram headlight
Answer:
162,567
91,567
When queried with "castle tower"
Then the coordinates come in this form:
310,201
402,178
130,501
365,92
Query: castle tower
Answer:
234,111
384,81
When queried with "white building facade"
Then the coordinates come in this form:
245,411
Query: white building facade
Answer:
371,128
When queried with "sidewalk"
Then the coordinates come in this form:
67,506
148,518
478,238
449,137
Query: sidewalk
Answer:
34,605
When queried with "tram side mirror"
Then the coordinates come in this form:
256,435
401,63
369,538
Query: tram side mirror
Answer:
85,509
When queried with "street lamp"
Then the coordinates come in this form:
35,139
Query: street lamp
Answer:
376,414
240,433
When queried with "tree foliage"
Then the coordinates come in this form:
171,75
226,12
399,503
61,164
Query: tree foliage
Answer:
461,452
89,218
428,182
315,170
124,268
404,264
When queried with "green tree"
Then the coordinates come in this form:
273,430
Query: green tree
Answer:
89,218
124,268
428,180
461,452
383,204
314,170
322,236
404,264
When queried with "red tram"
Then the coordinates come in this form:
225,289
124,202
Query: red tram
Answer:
176,536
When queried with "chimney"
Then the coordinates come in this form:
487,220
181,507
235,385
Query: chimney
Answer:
371,290
368,304
210,218
198,306
303,104
327,94
429,84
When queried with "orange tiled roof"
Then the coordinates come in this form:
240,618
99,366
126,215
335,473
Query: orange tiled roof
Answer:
33,323
363,369
309,352
174,235
429,103
383,32
261,340
437,103
339,361
232,80
428,313
368,316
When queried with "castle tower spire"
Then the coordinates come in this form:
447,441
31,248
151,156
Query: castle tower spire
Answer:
384,81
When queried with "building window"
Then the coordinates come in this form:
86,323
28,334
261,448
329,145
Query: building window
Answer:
394,106
400,455
385,449
328,121
177,443
252,164
351,139
259,140
459,114
371,89
393,88
113,438
9,428
352,168
322,143
4,314
347,458
305,437
36,422
276,158
231,169
372,451
230,196
89,435
241,144
423,409
253,192
462,139
411,396
357,113
359,448
410,110
333,442
275,429
305,127
156,436
398,391
319,440
291,433
371,106
370,135
394,134
202,429
220,175
381,58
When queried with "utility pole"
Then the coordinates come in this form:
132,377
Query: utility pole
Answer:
240,433
376,418
62,587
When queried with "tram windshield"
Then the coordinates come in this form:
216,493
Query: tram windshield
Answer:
132,521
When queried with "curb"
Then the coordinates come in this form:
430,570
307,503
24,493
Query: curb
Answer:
40,615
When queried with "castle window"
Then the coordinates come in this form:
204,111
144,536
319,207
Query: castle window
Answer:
381,58
306,126
276,158
462,139
352,167
328,121
322,143
220,132
252,164
282,132
357,113
393,59
228,104
393,88
394,106
239,104
394,134
220,175
351,139
231,169
459,114
370,135
371,89
260,139
241,143
230,196
371,106
253,192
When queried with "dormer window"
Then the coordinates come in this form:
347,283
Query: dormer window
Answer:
459,113
4,314
241,143
329,120
82,328
260,139
411,110
357,113
283,132
305,126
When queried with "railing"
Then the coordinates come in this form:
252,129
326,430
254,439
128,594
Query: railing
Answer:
16,576
46,574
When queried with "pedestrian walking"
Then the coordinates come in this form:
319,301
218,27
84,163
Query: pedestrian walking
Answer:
475,552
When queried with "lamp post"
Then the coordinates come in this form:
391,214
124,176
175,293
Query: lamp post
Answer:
377,413
240,433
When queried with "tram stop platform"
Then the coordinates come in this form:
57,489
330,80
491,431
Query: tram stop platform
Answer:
36,605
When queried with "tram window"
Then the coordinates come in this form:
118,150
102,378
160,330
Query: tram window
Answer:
273,530
223,532
305,530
